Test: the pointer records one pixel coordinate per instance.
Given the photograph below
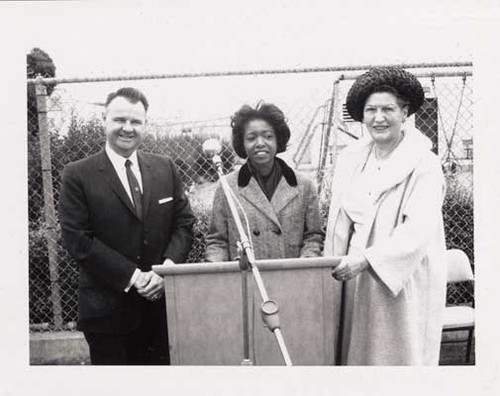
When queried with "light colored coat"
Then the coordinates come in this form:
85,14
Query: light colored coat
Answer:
288,226
394,310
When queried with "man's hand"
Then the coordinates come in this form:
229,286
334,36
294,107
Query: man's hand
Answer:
152,289
149,285
168,262
350,266
141,281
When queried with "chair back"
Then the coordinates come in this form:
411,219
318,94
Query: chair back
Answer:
459,268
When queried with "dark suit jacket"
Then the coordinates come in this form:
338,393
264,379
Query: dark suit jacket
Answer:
102,232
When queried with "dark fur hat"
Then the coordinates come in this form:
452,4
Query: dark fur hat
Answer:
384,79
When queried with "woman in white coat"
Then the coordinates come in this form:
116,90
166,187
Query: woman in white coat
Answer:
281,204
385,219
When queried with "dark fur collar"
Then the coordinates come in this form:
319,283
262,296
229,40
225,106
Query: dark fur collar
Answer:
244,174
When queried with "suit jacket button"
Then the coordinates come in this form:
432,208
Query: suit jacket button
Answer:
256,232
138,257
146,242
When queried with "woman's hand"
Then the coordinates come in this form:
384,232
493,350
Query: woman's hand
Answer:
350,266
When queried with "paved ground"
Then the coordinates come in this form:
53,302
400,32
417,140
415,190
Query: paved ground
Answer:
70,348
58,348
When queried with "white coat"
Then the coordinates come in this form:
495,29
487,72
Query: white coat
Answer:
393,311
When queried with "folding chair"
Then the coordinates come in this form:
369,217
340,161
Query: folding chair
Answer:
459,317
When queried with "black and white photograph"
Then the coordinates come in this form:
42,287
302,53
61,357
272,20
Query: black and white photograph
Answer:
257,197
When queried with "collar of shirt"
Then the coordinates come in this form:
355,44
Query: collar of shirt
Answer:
119,164
118,161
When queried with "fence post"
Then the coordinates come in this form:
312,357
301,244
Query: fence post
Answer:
48,197
326,137
335,151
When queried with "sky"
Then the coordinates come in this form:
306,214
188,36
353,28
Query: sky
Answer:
103,39
89,39
93,39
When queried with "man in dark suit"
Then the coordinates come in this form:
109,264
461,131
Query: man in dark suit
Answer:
121,211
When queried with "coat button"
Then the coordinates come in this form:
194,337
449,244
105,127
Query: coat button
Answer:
138,257
256,232
277,231
146,242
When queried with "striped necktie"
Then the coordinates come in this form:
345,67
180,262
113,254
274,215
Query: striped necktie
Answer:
134,189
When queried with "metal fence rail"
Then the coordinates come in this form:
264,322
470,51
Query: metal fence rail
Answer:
55,80
64,125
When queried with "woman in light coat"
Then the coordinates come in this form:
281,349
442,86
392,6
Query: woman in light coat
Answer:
281,204
385,219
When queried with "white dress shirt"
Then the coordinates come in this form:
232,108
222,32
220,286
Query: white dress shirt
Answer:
119,164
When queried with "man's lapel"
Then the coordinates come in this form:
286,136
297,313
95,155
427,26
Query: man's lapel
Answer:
147,181
109,173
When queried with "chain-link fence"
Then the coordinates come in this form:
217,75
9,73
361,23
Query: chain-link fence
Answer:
64,125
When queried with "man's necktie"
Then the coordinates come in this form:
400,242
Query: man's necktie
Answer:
134,189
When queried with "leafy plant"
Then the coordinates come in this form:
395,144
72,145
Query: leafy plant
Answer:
82,139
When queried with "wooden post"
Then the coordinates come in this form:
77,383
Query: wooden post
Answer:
335,142
48,197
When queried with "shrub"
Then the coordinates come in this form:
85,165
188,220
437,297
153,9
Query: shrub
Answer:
201,203
458,214
84,138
